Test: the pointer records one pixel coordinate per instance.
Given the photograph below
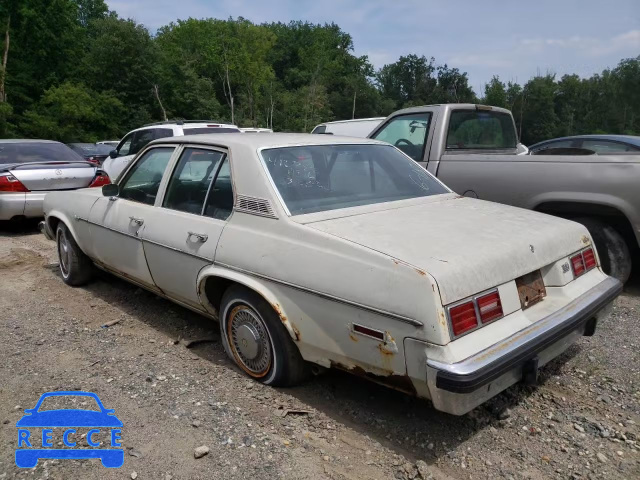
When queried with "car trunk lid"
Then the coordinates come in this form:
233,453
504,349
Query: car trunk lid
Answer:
467,245
54,175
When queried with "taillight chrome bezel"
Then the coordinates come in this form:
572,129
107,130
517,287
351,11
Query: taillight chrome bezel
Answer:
586,269
474,300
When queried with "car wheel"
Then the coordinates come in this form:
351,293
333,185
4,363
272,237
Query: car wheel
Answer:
255,339
75,267
612,248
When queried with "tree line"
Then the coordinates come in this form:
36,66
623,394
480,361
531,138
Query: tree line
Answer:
74,71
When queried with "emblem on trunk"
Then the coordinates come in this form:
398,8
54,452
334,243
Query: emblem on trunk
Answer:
532,248
58,172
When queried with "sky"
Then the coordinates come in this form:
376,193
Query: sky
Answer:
513,39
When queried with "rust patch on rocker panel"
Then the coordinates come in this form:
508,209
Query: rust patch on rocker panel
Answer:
401,383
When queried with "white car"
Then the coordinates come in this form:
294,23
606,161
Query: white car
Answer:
340,252
359,127
135,140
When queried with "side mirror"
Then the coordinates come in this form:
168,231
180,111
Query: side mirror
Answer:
113,154
110,190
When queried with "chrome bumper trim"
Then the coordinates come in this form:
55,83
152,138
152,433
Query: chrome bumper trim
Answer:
482,368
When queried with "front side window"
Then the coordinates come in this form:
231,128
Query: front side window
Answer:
143,180
220,199
408,133
125,145
327,177
191,180
480,130
140,140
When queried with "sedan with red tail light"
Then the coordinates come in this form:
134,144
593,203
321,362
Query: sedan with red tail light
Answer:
29,169
339,252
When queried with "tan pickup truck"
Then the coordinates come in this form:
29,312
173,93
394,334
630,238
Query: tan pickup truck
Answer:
474,150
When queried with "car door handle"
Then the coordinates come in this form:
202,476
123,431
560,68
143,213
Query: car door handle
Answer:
136,220
200,237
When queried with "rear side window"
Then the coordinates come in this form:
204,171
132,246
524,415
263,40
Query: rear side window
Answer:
320,129
479,129
140,140
408,133
220,199
191,180
162,133
606,146
143,180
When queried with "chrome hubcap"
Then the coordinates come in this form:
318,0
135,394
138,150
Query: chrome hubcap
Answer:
64,253
250,341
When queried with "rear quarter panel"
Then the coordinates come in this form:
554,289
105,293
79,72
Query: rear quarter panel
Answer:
72,208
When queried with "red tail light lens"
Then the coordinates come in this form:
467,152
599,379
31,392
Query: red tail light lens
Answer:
589,258
100,179
490,307
463,318
9,183
577,263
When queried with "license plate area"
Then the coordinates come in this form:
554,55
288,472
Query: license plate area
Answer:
531,289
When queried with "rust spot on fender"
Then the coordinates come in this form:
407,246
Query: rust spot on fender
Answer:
296,332
353,337
443,320
420,272
383,350
276,307
585,240
401,383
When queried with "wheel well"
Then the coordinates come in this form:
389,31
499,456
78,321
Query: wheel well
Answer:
604,213
53,224
214,288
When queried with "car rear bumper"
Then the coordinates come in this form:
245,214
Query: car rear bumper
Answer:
21,205
459,387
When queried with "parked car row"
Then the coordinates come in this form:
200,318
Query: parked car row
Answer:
318,251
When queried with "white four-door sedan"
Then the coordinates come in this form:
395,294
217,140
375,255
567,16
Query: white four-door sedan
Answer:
340,252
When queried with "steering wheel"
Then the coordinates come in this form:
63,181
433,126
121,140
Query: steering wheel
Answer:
403,140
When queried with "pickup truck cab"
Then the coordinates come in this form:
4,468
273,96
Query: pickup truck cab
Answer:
474,150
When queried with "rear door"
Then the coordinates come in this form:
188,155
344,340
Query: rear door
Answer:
182,235
117,223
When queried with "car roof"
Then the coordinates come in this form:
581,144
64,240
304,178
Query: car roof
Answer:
231,140
633,140
26,140
185,126
451,106
355,120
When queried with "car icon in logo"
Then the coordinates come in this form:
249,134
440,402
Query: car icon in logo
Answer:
29,452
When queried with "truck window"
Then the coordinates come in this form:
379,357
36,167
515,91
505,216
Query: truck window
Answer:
480,130
407,132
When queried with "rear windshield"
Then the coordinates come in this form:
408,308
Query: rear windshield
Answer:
89,149
200,130
36,152
478,129
327,177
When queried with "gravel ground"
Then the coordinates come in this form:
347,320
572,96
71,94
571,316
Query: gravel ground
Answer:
582,421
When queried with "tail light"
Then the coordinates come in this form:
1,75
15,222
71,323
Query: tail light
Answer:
463,318
9,183
489,307
589,258
583,261
100,179
475,312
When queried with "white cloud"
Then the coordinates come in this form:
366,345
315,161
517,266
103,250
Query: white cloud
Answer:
590,46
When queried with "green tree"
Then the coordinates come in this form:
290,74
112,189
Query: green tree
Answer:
72,113
495,93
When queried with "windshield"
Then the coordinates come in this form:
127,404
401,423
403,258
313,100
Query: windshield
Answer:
29,152
327,177
479,129
90,149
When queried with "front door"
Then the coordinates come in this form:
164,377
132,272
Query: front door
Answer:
181,237
117,223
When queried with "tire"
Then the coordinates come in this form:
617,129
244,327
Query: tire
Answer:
256,340
613,250
75,267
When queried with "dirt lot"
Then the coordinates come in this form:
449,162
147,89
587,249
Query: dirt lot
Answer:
583,421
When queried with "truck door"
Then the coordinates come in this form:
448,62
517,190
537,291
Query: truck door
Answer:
409,132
